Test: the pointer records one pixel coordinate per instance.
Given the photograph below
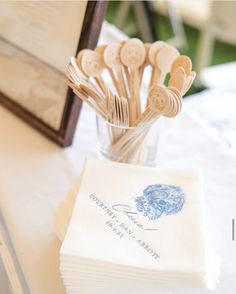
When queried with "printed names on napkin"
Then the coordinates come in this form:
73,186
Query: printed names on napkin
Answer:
132,227
123,229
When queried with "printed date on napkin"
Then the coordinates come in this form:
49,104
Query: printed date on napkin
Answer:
137,217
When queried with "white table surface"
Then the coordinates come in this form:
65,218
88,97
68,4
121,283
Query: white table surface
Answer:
220,76
216,109
35,175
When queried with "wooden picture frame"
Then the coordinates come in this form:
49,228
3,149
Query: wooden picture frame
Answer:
94,15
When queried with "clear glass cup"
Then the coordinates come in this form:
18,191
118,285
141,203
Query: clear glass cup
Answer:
136,145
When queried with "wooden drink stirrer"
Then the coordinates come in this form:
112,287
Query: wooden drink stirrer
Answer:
160,104
178,79
164,59
72,72
92,65
111,57
182,61
145,64
186,63
153,51
189,82
85,97
132,55
100,50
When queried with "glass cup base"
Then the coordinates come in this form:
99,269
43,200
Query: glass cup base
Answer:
134,145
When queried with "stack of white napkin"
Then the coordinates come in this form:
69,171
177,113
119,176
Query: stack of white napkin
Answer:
134,230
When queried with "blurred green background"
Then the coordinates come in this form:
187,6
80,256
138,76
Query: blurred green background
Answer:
222,52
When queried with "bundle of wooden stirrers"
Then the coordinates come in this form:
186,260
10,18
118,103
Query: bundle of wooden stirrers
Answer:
111,80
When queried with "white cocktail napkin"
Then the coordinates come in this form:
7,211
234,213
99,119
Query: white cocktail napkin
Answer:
133,226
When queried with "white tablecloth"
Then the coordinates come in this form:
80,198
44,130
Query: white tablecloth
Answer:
35,175
216,109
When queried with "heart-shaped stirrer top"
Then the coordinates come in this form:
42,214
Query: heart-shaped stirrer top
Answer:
182,61
189,82
178,79
112,60
164,59
132,55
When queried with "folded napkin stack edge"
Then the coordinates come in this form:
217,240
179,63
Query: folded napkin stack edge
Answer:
82,272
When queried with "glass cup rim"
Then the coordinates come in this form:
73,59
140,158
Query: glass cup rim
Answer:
141,126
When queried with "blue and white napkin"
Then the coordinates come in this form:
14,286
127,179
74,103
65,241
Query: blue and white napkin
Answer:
134,230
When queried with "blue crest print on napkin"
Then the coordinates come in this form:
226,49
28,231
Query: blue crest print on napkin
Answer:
160,199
